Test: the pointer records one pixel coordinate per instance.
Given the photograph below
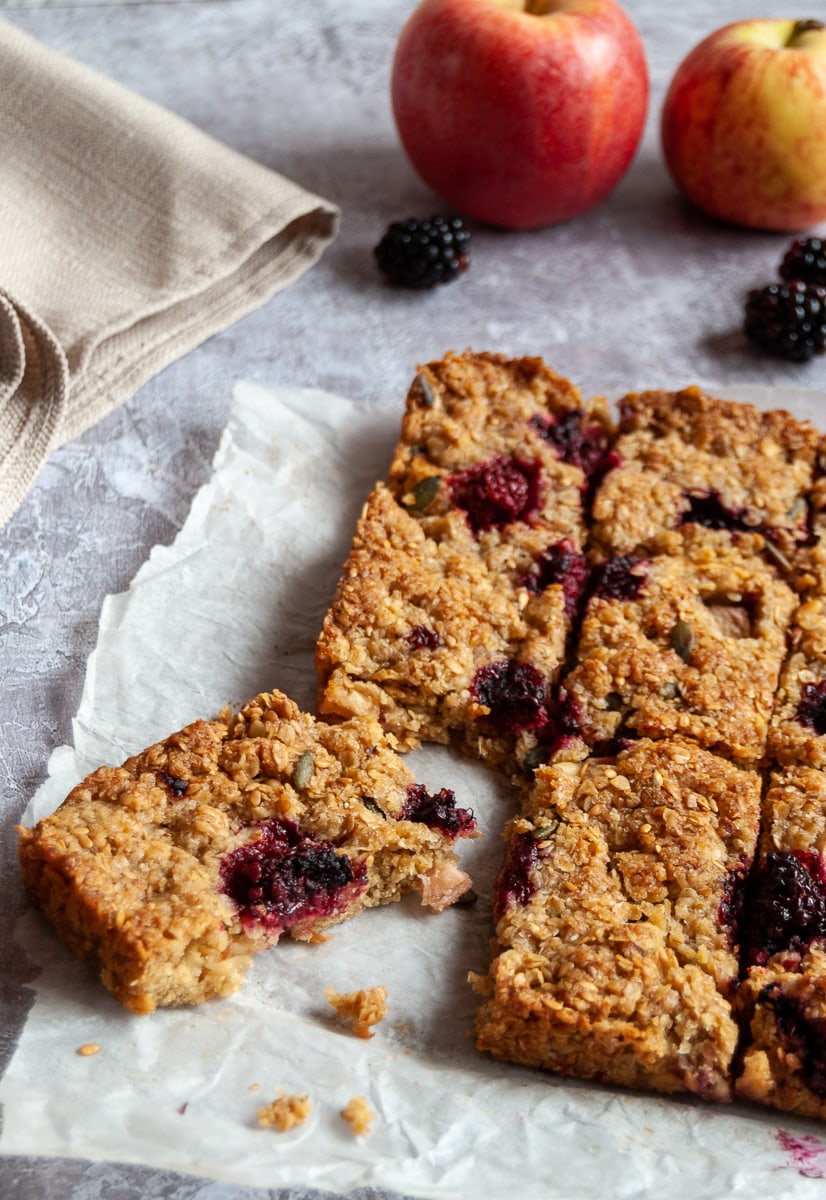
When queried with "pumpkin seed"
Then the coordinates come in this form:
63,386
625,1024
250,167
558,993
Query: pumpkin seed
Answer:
670,690
544,832
426,391
303,771
796,509
371,804
682,639
778,556
534,758
614,702
425,492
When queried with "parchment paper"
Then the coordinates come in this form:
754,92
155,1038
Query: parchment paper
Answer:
231,608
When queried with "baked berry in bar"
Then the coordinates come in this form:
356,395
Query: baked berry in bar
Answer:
455,606
171,871
798,727
782,1000
686,645
617,952
687,459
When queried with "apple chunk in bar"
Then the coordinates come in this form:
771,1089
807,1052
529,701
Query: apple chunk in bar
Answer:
782,999
616,932
171,871
688,460
686,645
455,606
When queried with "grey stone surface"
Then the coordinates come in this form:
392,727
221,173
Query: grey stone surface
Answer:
641,292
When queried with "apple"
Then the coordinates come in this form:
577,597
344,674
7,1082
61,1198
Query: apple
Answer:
744,124
520,113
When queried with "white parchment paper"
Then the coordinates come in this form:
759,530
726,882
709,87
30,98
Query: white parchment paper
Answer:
231,608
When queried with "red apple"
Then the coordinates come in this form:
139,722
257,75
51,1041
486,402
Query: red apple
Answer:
520,113
744,124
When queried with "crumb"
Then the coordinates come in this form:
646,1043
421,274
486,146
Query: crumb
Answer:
359,1114
87,1049
362,1008
285,1112
254,1087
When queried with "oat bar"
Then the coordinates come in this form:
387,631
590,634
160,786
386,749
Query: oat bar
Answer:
688,459
686,645
457,601
171,871
782,1000
617,955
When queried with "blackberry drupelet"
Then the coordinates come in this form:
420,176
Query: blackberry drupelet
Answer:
421,254
806,259
788,320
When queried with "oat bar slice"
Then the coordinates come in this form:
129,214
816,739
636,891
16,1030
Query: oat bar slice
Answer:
688,459
687,645
617,949
171,871
455,606
782,999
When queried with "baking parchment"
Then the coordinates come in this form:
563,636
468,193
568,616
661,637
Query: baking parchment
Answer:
231,608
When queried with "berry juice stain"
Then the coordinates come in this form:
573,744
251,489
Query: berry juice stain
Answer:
437,811
283,877
806,1152
498,492
516,694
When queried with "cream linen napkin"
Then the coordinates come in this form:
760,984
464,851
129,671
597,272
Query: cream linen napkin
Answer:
127,237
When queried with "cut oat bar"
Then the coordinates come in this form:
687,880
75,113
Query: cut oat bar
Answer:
171,871
797,734
617,946
455,606
782,999
687,459
688,645
422,631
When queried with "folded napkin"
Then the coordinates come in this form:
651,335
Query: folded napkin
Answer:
127,237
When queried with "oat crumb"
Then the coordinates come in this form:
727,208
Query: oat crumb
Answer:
359,1114
88,1048
362,1009
285,1112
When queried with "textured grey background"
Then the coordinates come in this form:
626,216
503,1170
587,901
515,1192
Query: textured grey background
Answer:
641,292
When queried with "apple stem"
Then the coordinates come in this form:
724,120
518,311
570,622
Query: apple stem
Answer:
538,8
802,27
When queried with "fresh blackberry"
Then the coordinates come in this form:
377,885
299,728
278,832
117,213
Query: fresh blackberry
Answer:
420,254
788,320
806,259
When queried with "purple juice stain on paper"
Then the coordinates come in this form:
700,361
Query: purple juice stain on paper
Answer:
806,1152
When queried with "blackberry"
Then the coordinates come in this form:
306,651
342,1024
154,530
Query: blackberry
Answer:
498,492
437,811
788,320
805,259
421,254
516,694
282,877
